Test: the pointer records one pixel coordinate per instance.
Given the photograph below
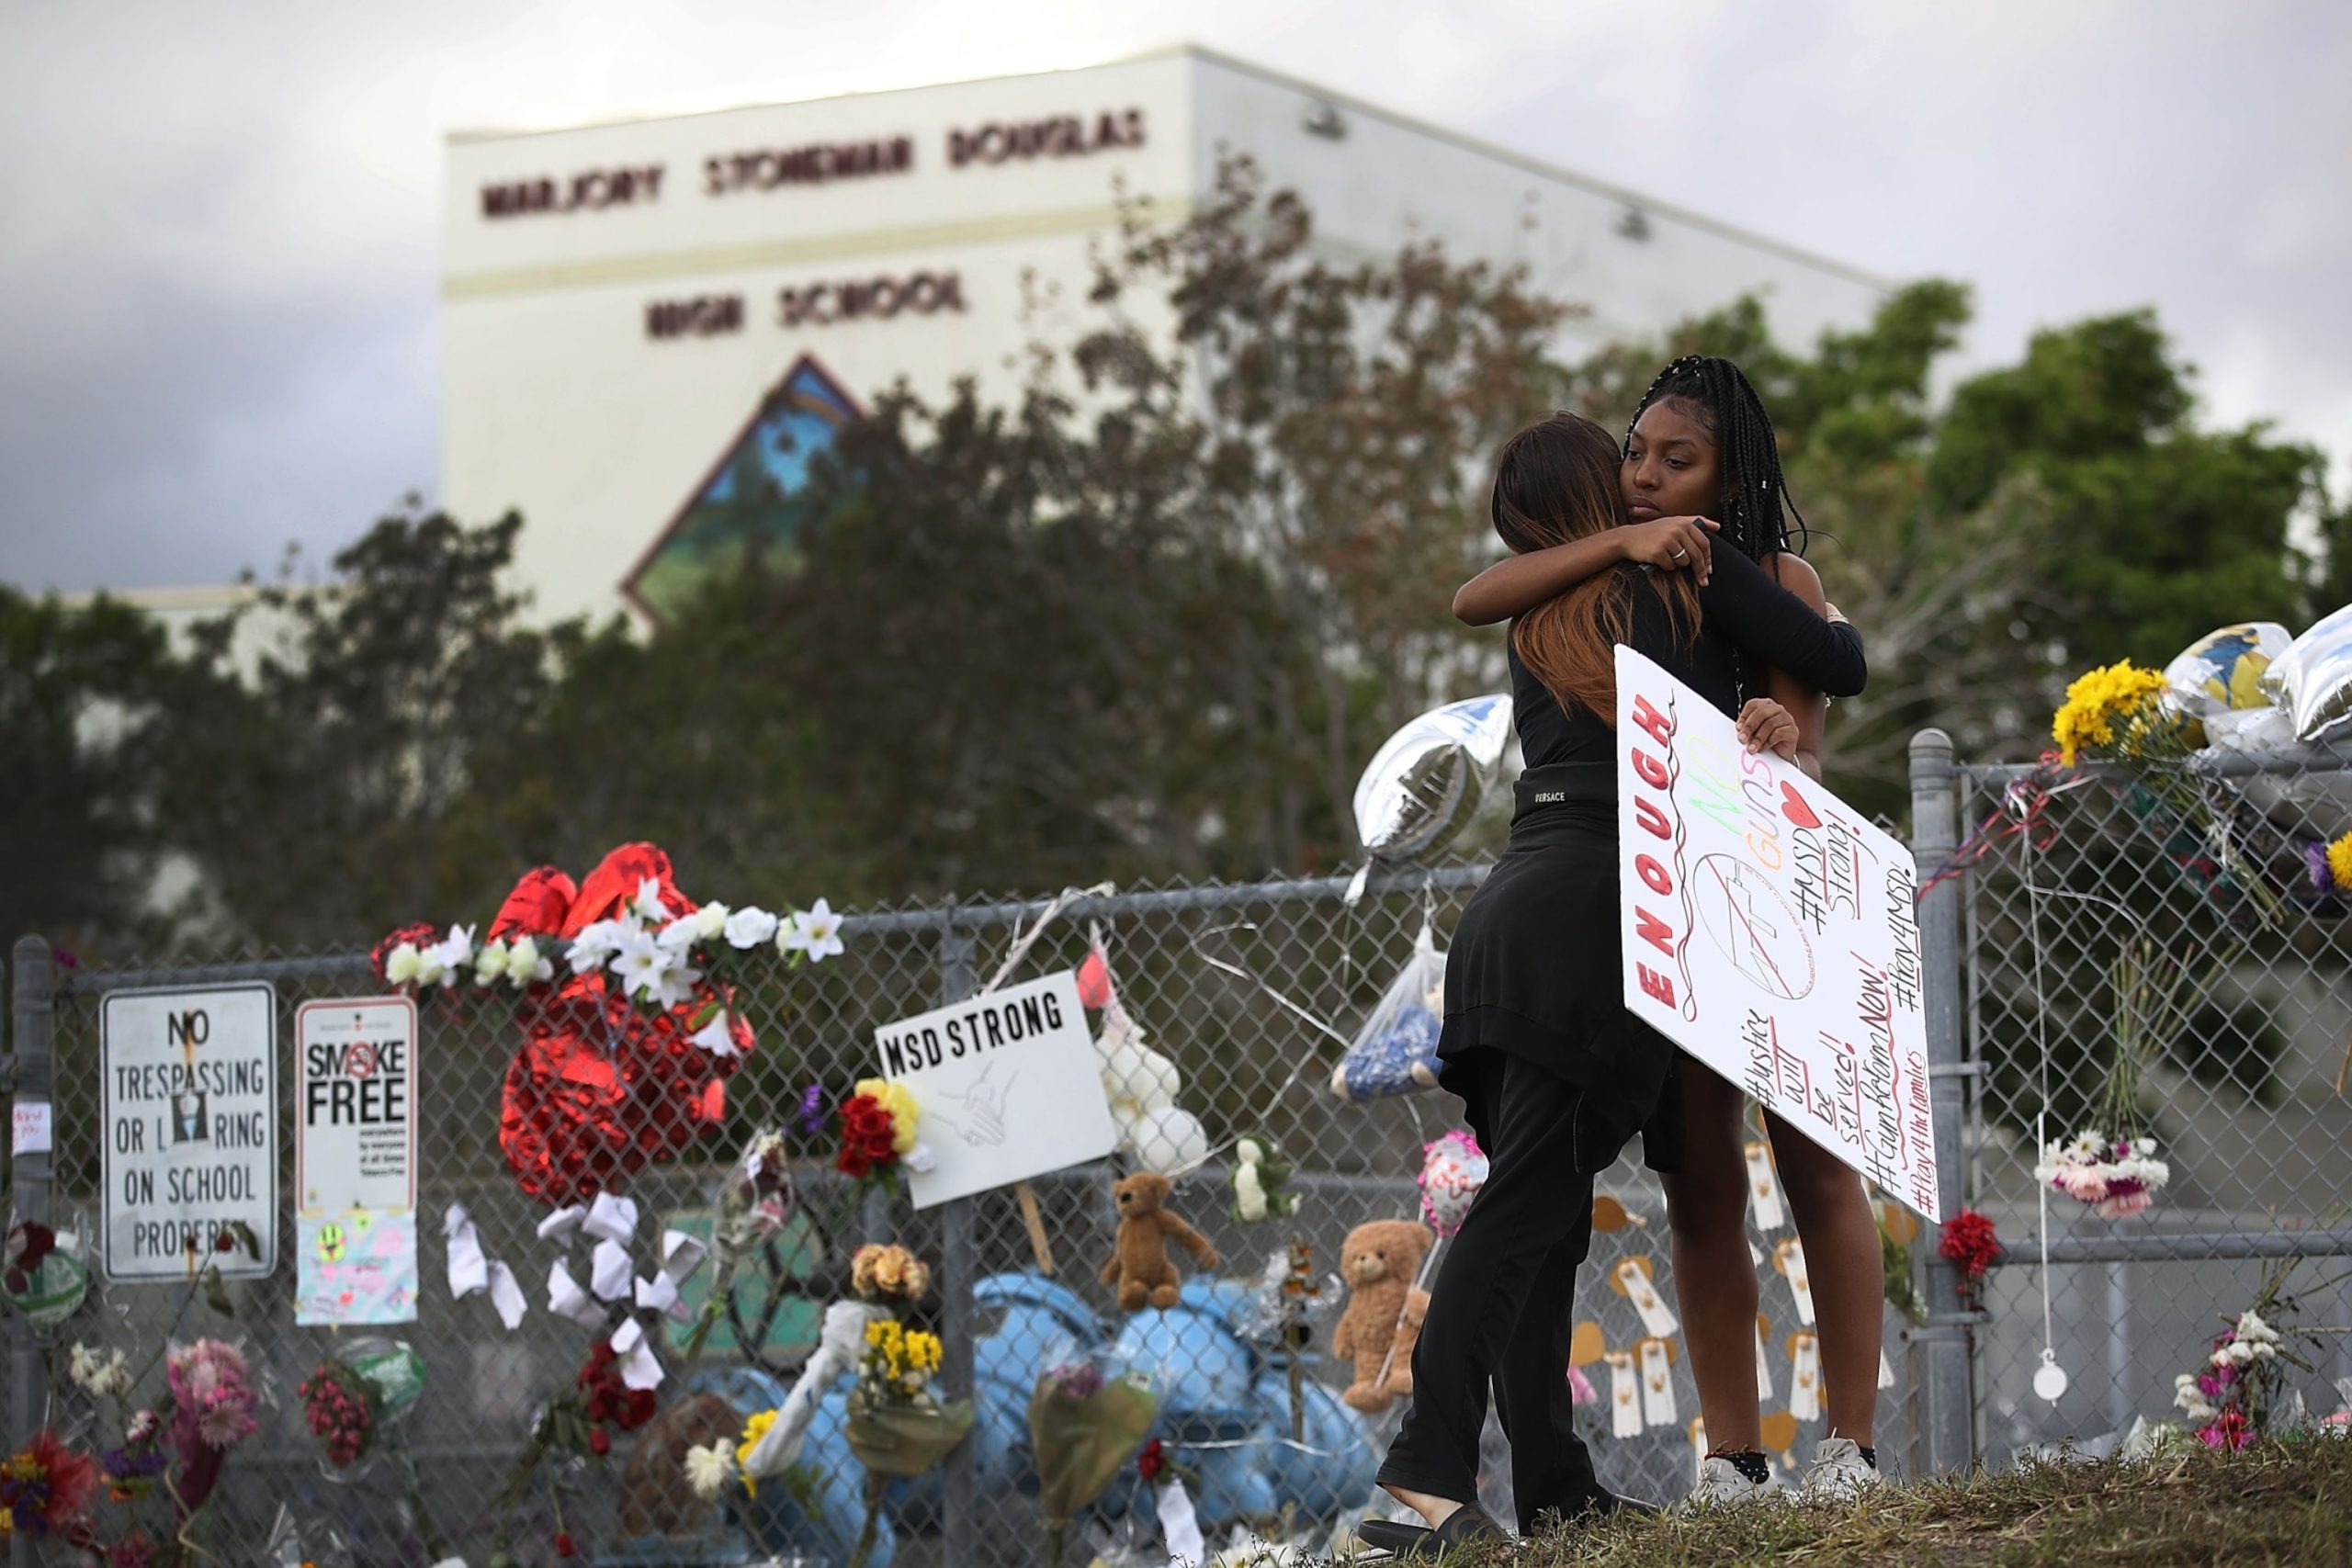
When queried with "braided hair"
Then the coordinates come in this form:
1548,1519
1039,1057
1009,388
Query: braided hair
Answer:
1718,395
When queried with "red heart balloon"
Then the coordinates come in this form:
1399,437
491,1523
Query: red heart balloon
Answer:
600,1088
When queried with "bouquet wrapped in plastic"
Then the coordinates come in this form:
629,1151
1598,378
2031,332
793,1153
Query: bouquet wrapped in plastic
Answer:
1087,1419
897,1427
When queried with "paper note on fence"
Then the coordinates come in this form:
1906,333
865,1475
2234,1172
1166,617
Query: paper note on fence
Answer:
1771,932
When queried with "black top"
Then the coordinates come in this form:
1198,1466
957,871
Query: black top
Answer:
1740,606
1533,969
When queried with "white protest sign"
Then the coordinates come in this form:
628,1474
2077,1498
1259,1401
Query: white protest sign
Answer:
1772,933
355,1104
1006,1087
188,1099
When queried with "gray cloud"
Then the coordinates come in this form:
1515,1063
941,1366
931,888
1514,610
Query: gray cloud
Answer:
218,258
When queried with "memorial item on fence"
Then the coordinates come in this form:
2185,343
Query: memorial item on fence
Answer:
1452,1169
1260,1181
2236,1394
1426,780
1771,931
46,1491
2222,672
1140,1268
878,1135
1088,1415
1009,1084
40,1279
772,1446
1897,1229
1173,1487
1396,1051
352,1399
2111,1165
896,1425
1380,1261
2312,680
1970,1245
1141,1085
624,1060
879,1272
682,1462
2121,714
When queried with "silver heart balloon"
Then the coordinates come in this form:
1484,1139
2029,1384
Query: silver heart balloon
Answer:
1425,781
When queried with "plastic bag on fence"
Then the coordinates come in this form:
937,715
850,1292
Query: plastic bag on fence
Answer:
1396,1051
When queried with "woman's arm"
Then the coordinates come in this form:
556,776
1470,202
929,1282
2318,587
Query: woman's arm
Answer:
1782,629
1518,583
1809,708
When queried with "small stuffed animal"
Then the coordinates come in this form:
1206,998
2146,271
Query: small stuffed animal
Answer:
1379,1261
1141,1266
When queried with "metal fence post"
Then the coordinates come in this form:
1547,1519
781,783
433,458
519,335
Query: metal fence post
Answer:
28,1076
958,1257
1947,1344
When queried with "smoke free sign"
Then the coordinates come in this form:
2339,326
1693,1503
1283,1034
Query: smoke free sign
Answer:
188,1093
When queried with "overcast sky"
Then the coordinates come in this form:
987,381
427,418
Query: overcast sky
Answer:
217,221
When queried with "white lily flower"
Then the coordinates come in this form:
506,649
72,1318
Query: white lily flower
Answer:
490,963
815,931
709,1467
524,963
637,960
401,965
648,906
674,980
2251,1326
747,928
454,953
720,1040
679,935
709,920
594,944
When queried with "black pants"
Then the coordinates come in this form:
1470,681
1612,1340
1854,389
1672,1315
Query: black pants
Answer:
1502,1309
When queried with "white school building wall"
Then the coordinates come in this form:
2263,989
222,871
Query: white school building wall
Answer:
620,301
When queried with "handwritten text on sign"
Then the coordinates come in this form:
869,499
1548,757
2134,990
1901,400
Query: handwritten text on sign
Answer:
1005,1085
188,1099
1771,932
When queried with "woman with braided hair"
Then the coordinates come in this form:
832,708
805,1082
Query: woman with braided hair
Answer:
1554,1074
1701,468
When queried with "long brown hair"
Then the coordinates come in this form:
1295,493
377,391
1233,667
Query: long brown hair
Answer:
1556,480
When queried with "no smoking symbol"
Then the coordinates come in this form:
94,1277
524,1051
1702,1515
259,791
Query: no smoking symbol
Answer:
361,1061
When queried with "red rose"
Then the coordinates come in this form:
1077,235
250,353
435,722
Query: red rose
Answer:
880,1145
604,1402
1151,1460
564,1545
600,1442
853,1162
640,1409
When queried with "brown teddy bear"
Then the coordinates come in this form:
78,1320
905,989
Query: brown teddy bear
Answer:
1141,1266
1379,1262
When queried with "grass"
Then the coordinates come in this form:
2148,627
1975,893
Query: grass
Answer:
2286,1502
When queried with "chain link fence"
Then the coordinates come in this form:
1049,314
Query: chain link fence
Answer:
1230,982
2077,879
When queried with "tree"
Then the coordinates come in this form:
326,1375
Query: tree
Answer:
335,791
81,690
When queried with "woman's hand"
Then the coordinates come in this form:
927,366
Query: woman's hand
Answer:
1766,726
1672,543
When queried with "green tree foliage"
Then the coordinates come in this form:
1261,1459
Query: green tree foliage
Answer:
81,689
1146,617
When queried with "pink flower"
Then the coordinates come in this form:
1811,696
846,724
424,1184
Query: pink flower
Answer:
2124,1204
2232,1431
2083,1183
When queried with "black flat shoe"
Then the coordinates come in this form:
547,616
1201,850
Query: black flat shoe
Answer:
1394,1537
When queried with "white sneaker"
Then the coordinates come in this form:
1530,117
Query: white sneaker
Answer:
1720,1485
1839,1474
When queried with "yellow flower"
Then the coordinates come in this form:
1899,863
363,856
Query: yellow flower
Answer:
2339,861
899,1101
753,1430
2122,693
